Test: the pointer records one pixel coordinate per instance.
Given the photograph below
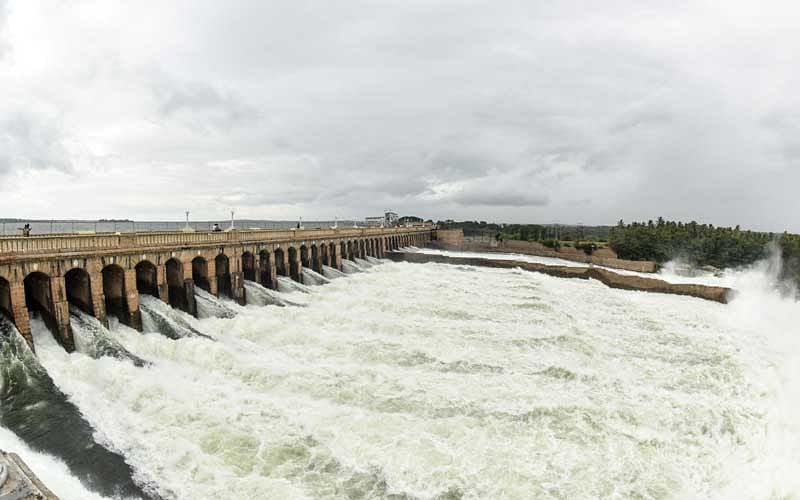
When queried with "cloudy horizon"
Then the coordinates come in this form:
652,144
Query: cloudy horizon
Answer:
550,112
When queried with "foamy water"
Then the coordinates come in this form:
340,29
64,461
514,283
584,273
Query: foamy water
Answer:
437,381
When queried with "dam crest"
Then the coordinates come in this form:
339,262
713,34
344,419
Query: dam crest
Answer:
105,274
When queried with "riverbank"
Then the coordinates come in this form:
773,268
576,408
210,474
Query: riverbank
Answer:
609,278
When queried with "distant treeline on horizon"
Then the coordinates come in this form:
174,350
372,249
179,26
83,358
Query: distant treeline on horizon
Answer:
660,241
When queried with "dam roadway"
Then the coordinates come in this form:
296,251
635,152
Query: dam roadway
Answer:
104,274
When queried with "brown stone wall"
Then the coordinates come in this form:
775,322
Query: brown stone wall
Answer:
452,239
609,278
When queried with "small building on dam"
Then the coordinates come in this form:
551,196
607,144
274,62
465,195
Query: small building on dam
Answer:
105,274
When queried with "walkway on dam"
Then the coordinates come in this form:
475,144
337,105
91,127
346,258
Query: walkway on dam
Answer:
104,274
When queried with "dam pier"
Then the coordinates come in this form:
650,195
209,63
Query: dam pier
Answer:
105,274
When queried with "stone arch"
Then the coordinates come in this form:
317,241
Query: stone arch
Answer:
349,253
323,256
280,262
177,292
5,299
146,278
249,266
78,286
316,261
223,273
294,265
343,249
265,269
332,255
200,273
304,255
114,292
39,300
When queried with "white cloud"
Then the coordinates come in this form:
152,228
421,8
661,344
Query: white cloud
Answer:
516,111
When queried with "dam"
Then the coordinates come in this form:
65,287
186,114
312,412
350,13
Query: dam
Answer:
422,374
105,274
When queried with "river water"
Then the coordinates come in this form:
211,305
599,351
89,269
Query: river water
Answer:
432,381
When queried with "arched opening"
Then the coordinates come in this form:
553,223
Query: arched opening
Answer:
343,250
304,257
332,255
177,294
5,299
79,290
200,273
265,269
114,291
362,249
223,276
280,262
324,259
349,250
39,300
249,266
294,270
146,278
316,262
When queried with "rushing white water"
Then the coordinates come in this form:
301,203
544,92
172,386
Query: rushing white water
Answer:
94,339
437,381
209,306
288,285
311,277
260,296
350,267
332,273
363,264
53,472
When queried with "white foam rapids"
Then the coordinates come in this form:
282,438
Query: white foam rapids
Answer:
440,381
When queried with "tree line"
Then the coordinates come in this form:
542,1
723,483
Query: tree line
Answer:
702,244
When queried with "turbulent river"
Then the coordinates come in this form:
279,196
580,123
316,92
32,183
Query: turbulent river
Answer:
431,381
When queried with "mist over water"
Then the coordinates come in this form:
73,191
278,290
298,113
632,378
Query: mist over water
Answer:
436,381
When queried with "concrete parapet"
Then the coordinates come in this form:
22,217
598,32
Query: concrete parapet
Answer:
18,482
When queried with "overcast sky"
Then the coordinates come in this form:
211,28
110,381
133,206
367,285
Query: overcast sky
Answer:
529,111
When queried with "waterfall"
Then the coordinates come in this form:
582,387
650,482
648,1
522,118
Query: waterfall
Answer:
262,296
350,267
34,409
331,273
286,285
161,318
311,277
209,306
363,263
94,339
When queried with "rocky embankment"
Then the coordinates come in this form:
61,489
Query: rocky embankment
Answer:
609,278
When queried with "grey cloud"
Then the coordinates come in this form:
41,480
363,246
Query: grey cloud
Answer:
456,109
198,104
481,197
31,141
5,46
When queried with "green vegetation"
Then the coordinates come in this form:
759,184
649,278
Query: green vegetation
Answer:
535,232
660,241
702,244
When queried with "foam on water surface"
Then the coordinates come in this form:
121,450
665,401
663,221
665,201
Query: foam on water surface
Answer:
439,381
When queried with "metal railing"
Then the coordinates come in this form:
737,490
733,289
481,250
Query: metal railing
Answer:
58,243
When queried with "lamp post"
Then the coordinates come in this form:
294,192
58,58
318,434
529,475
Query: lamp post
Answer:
187,219
232,214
